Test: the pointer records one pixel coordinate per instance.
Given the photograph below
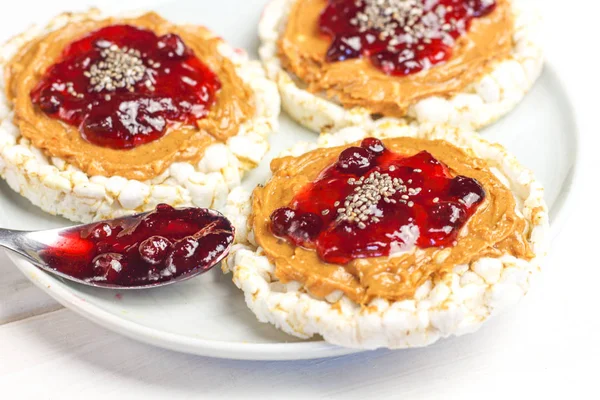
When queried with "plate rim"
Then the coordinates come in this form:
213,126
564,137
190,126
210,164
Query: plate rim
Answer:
567,196
284,350
173,341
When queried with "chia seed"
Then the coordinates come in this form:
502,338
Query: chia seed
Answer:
119,68
404,21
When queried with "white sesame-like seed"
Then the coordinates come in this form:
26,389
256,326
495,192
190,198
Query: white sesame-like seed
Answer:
403,21
361,204
119,68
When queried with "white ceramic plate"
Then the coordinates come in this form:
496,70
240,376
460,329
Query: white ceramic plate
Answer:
207,315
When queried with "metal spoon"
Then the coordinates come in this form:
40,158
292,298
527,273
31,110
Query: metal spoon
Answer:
31,245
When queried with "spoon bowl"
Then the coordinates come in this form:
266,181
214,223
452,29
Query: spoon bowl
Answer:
76,253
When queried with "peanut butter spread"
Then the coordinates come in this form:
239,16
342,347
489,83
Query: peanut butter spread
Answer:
181,143
494,230
358,83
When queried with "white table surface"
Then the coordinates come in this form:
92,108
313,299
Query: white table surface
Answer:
547,346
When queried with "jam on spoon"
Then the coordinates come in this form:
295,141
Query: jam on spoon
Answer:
373,202
400,37
160,246
123,86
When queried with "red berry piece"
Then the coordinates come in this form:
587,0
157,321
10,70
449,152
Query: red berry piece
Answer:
374,145
171,46
344,48
50,101
424,163
355,160
281,220
101,231
213,246
181,256
157,221
447,214
480,8
99,128
184,248
305,227
154,249
467,189
402,62
108,266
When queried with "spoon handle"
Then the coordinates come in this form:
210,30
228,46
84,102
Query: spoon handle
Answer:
7,238
16,241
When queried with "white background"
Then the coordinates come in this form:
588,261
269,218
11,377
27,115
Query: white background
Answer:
546,347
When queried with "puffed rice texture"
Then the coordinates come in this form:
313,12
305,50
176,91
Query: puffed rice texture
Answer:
481,103
61,189
456,306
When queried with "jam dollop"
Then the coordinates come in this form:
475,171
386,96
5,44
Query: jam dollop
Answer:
155,247
400,37
373,202
123,86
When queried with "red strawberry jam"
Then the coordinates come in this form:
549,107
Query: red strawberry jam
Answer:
373,202
400,37
156,247
123,86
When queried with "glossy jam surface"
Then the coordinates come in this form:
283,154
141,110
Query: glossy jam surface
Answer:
400,37
123,86
157,247
373,202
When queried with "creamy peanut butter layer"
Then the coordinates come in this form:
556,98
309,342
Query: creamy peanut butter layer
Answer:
493,230
182,143
358,83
